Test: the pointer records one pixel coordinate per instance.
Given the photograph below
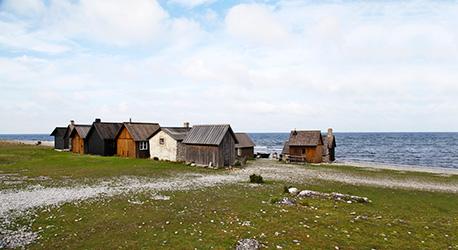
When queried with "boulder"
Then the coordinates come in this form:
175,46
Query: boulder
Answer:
248,244
307,193
293,190
287,201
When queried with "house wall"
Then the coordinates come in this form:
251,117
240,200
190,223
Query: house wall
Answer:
94,144
311,154
203,154
142,153
109,147
227,150
245,152
77,144
125,144
181,152
166,151
59,142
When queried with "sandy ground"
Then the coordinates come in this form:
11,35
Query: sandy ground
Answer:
19,203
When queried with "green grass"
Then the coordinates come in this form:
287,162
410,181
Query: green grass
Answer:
212,217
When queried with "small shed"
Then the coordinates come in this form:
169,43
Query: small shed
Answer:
59,138
100,139
167,144
132,139
210,145
77,137
245,146
306,146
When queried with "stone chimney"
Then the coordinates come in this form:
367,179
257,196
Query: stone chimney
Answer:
186,124
72,122
97,120
330,137
130,120
294,132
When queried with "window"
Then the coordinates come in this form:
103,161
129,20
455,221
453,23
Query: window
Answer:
161,141
143,145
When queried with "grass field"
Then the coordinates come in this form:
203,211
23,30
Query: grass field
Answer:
216,217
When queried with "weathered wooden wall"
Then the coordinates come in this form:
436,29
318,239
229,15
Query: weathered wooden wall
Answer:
77,144
247,153
227,150
125,144
94,144
312,154
203,154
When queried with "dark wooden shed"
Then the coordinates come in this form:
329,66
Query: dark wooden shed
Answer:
210,144
245,146
59,138
77,137
133,139
100,139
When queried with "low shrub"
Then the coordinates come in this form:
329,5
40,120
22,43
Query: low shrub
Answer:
254,178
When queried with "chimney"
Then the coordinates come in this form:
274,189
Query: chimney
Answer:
72,122
186,124
294,132
97,120
330,137
130,120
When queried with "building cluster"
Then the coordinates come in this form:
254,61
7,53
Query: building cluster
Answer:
209,145
309,146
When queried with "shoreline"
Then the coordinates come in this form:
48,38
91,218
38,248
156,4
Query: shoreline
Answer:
410,168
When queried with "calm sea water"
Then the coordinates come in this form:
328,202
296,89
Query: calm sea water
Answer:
415,149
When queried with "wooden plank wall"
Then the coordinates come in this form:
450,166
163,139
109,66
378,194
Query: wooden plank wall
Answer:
77,144
126,145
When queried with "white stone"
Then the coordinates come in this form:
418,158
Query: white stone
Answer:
293,190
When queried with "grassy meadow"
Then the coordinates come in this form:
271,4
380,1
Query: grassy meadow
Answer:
216,217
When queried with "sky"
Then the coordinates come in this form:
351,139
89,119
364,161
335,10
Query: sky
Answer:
261,66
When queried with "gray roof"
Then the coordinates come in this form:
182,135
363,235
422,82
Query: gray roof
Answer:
177,133
141,131
107,130
208,134
305,138
58,131
244,141
82,130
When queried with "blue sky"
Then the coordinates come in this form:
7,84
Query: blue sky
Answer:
258,65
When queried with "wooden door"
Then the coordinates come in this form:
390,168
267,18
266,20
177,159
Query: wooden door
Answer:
125,144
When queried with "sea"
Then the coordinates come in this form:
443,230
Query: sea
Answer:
438,150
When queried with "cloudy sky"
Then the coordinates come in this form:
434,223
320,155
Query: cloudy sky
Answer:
258,65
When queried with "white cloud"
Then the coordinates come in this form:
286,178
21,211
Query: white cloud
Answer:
255,23
353,66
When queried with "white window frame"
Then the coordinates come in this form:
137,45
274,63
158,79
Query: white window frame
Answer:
143,145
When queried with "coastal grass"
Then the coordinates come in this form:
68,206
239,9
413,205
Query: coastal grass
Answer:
216,217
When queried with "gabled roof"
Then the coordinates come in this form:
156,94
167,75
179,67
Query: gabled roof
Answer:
81,130
106,130
244,141
58,131
208,134
285,148
141,131
177,133
305,138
